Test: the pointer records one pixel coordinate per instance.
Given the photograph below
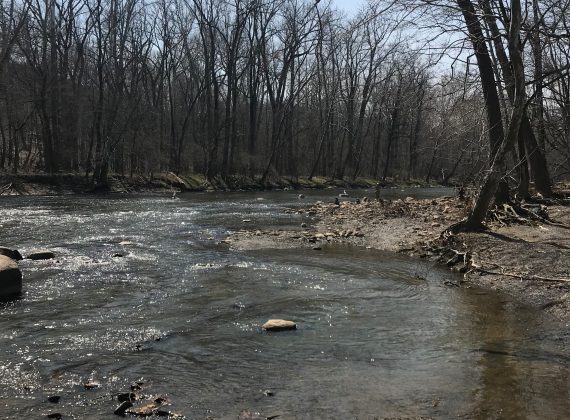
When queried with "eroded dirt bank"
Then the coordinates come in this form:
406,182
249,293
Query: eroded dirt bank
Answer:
527,259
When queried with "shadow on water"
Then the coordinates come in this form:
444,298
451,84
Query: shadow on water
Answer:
378,334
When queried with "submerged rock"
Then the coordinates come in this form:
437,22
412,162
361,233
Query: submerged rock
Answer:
11,253
42,254
279,325
10,277
54,399
249,415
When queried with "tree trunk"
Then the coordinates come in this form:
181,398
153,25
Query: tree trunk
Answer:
488,83
479,212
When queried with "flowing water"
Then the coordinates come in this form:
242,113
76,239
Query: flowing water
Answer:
378,334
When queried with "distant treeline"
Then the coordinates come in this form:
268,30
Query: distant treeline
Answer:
269,87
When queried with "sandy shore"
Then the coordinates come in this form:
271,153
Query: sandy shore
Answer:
529,260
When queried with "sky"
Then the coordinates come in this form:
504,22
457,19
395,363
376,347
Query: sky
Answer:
350,6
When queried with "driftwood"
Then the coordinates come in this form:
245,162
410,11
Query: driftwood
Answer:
523,214
521,276
478,269
468,266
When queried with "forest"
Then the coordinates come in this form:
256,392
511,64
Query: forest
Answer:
262,209
413,89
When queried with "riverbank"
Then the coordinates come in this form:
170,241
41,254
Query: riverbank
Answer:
44,184
529,259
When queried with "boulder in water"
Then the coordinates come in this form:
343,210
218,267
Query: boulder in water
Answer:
10,277
42,254
10,253
279,325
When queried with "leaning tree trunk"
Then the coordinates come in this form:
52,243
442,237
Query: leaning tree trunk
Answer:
488,83
485,197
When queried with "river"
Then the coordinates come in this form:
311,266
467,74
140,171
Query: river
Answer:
379,335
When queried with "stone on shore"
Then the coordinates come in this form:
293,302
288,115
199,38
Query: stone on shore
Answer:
10,277
11,253
279,325
42,254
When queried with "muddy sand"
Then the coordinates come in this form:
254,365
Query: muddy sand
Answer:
529,259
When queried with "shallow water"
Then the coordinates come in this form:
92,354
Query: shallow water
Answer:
379,335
